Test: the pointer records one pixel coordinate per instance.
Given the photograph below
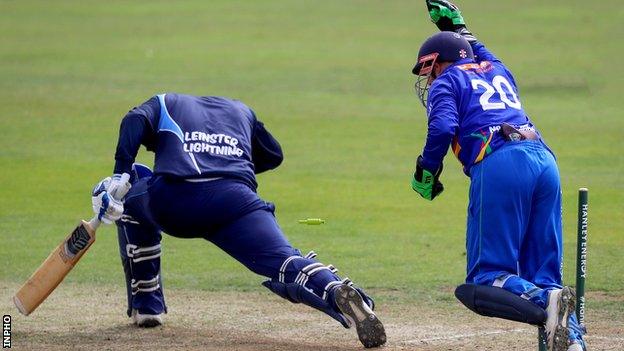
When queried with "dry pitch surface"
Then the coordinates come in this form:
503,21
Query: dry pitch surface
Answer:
75,319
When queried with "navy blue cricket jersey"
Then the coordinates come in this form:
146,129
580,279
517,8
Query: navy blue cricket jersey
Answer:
198,137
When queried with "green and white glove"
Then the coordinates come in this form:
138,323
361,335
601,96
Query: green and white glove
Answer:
448,17
426,183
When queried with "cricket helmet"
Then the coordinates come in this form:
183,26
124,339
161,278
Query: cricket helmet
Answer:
441,47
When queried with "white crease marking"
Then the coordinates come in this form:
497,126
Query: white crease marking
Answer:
603,337
463,336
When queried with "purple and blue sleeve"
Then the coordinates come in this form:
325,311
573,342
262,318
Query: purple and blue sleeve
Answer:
482,53
137,128
443,124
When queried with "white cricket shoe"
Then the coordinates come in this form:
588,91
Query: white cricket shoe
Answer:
146,320
561,303
369,329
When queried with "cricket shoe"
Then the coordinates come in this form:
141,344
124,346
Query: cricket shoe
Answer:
561,303
146,320
575,336
576,347
369,329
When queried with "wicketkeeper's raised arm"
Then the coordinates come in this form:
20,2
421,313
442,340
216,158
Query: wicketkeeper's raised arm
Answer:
447,17
137,128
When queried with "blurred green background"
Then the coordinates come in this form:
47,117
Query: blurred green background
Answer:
331,80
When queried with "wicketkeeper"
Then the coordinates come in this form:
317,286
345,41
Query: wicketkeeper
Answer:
514,233
208,150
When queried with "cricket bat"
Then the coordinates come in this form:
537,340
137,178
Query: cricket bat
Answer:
60,262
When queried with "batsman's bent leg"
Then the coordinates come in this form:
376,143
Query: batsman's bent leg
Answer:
141,262
140,250
256,240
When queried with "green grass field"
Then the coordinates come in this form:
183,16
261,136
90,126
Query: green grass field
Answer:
331,80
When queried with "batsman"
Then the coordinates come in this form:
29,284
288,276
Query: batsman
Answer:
208,150
514,231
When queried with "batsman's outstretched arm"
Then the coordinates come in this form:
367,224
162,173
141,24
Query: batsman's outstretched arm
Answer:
61,261
137,128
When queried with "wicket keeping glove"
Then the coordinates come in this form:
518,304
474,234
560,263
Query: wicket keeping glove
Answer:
448,17
107,207
426,183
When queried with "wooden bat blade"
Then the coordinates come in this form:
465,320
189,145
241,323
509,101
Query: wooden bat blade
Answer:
54,269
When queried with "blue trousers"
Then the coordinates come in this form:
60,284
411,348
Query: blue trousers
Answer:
227,213
514,231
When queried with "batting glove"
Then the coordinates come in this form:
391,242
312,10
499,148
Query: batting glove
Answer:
426,183
118,187
106,207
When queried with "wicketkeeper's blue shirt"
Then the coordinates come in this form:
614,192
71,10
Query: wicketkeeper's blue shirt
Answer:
466,105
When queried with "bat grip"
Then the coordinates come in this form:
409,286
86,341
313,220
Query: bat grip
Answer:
94,223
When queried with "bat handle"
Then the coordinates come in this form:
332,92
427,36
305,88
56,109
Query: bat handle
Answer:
121,192
94,223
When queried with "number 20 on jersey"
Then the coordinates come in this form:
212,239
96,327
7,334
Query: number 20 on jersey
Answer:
500,85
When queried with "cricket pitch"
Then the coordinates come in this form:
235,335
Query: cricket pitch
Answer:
75,319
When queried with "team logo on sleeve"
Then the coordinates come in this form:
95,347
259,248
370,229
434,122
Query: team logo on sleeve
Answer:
482,67
215,144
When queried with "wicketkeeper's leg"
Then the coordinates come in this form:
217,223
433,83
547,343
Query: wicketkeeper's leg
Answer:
499,230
